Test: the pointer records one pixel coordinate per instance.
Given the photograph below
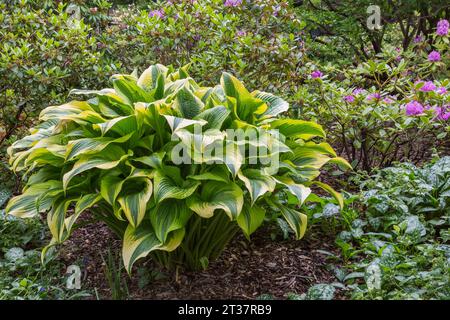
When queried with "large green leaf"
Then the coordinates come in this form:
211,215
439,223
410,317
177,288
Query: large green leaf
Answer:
133,199
56,218
122,125
217,173
68,109
168,216
138,243
333,192
187,104
215,196
108,159
128,89
276,104
247,106
297,189
29,203
214,117
167,188
298,128
257,183
91,145
296,220
250,219
149,78
84,203
176,123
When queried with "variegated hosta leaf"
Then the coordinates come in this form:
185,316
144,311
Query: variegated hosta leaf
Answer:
56,218
150,77
167,188
139,242
133,199
331,191
296,220
257,183
250,219
29,141
112,105
154,160
187,104
110,187
233,157
18,160
84,203
108,159
247,106
168,216
298,128
26,205
52,155
276,104
176,123
217,195
304,157
215,117
217,173
298,190
69,109
91,145
173,240
84,118
128,89
121,125
202,146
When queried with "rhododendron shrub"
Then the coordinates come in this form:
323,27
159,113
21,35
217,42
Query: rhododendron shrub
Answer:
402,114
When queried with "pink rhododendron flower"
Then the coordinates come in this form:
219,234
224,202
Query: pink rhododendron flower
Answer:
389,100
156,13
232,3
316,74
434,56
442,28
374,96
442,90
428,86
442,113
358,91
349,99
414,108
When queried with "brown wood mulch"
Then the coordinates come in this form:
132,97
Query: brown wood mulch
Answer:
245,270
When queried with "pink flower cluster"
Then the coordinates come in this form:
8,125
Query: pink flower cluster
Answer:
442,113
414,108
358,91
349,99
157,13
232,3
373,96
427,86
316,74
442,27
434,56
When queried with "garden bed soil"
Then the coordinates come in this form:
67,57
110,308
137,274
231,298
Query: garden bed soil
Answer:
245,270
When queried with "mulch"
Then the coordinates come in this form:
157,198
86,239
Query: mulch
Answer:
245,270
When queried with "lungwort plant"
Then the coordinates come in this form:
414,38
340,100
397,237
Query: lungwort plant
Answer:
175,169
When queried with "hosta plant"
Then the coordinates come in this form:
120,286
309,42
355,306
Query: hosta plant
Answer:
172,167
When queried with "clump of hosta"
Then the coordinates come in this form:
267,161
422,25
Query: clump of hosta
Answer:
169,165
